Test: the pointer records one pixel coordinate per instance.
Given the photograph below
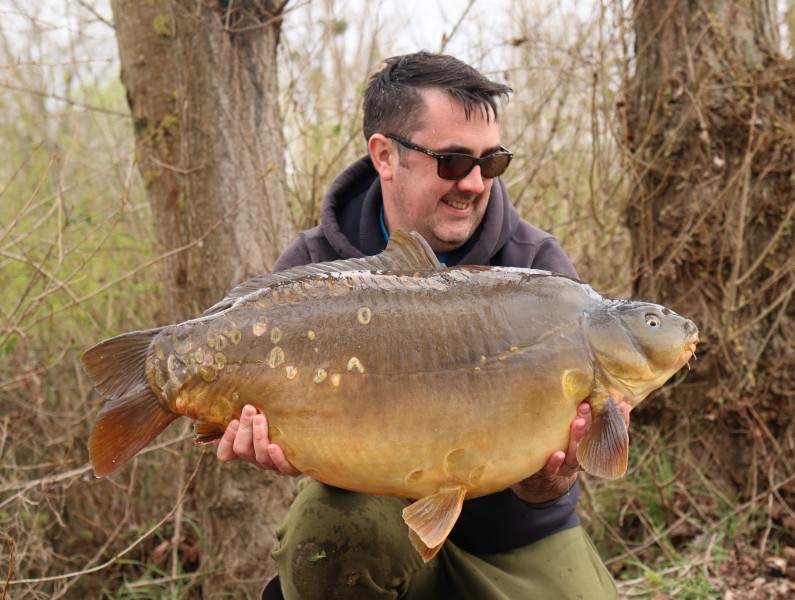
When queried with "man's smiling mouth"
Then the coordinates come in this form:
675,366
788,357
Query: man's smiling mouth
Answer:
457,205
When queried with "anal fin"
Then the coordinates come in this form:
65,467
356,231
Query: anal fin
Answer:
604,449
431,519
207,432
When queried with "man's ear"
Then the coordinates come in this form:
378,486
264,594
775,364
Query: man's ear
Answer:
383,154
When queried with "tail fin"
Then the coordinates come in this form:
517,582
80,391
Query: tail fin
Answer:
133,415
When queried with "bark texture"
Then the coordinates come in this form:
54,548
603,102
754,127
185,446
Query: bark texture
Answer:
201,80
201,84
710,126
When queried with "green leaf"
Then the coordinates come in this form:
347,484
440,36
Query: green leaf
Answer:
317,556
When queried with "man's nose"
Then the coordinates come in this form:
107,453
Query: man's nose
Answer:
473,183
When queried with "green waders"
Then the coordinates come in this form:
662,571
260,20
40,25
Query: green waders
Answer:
336,544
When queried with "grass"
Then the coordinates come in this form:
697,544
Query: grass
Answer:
666,530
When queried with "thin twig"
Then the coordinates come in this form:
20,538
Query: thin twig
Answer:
447,37
51,479
162,580
10,565
126,550
52,96
197,241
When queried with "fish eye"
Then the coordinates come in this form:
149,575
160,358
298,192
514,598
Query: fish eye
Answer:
653,320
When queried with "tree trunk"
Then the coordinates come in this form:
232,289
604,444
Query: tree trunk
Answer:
710,128
201,84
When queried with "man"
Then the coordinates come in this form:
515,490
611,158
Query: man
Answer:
433,165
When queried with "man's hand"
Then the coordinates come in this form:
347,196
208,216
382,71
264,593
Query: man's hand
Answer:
247,438
560,472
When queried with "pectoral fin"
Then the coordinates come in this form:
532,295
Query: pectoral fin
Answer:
431,519
603,451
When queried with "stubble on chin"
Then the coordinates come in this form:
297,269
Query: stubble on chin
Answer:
444,238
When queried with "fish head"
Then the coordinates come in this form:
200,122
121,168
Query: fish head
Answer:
638,346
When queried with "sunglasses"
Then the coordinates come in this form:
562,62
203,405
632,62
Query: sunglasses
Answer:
457,166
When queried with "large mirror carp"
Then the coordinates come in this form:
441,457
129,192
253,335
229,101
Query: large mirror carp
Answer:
395,375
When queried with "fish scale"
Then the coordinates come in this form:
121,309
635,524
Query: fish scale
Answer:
395,375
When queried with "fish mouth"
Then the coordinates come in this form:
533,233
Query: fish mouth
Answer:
690,351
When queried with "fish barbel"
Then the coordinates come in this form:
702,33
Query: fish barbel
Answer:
395,375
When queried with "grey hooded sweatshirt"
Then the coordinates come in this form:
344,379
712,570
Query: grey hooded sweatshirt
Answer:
350,227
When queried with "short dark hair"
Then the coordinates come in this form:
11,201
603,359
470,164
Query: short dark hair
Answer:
393,100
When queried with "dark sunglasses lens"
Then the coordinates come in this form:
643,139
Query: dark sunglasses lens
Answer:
455,166
458,166
494,165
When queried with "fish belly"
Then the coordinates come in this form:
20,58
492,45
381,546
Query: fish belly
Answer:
421,433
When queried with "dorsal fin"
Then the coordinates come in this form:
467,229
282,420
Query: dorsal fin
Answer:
404,252
407,252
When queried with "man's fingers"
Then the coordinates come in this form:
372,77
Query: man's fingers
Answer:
272,454
247,438
579,427
566,464
261,442
562,464
243,445
280,461
553,466
225,451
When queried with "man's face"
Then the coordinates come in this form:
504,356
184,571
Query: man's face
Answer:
445,212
